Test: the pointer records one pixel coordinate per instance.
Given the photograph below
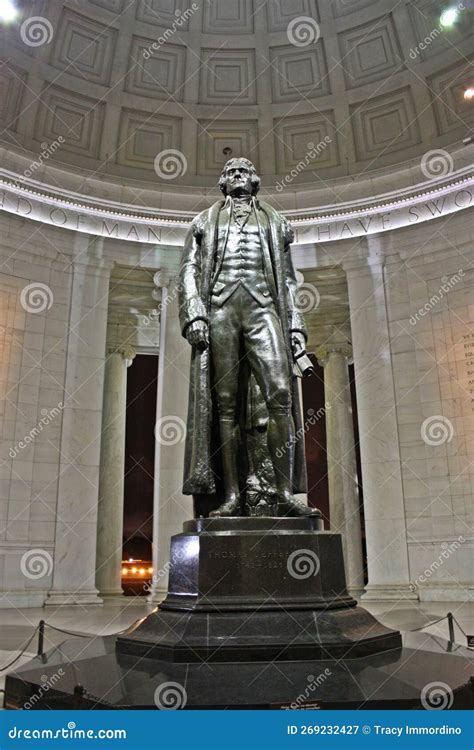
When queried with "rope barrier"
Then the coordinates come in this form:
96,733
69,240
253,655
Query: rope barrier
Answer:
451,619
69,632
429,624
40,628
81,635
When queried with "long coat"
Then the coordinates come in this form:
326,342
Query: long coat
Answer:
194,284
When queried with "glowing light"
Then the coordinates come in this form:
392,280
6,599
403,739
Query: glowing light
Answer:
469,93
150,570
448,17
8,11
134,570
142,571
124,571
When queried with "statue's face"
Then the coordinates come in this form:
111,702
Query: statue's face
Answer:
238,179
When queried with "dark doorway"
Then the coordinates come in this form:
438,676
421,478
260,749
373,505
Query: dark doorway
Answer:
314,419
140,457
359,467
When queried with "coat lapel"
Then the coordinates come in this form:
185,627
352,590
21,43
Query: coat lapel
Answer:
224,215
208,249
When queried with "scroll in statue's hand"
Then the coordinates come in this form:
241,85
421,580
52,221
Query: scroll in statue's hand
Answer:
303,367
298,344
197,334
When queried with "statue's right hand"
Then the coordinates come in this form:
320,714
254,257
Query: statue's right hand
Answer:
197,335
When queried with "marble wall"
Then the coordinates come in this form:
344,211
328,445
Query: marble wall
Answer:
430,292
35,297
411,296
66,299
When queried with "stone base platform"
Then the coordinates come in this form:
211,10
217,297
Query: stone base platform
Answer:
89,674
244,589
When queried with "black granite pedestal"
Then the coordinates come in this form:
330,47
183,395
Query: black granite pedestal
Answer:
257,616
246,589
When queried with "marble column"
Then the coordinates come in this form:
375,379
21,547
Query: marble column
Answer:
78,483
341,457
385,523
170,508
112,469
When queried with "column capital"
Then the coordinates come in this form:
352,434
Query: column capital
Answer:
162,279
362,262
128,352
323,351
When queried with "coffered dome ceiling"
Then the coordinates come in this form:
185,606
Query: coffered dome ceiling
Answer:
326,88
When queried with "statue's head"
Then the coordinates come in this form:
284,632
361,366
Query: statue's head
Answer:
239,177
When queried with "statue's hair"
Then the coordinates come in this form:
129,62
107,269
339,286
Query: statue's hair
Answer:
255,179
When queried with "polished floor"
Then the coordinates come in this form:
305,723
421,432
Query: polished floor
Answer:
18,625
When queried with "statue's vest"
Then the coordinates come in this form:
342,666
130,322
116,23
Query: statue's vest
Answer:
239,262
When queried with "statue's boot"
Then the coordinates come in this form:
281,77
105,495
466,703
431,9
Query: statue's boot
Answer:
230,474
226,510
288,505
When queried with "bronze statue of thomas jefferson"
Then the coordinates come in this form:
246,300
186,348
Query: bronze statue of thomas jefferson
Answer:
237,292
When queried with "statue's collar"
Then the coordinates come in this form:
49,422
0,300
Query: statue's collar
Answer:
250,199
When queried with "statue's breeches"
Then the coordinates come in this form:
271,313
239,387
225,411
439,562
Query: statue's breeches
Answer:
247,337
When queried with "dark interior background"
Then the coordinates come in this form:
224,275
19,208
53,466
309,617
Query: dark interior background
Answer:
139,457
